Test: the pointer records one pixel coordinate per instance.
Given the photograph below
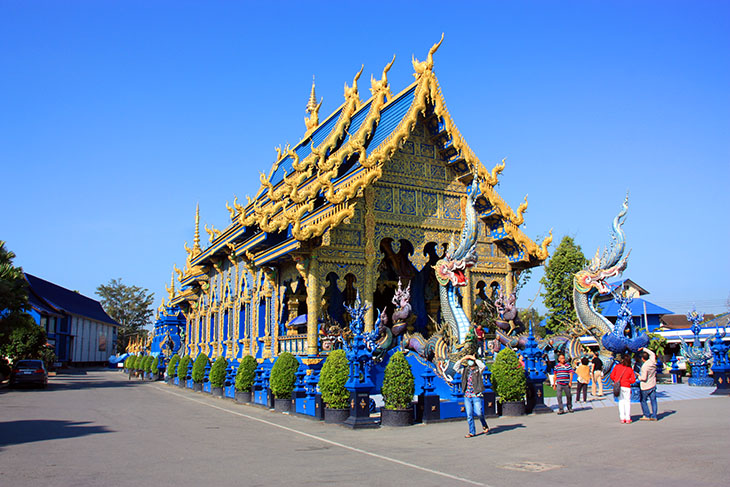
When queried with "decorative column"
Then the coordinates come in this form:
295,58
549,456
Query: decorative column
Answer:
358,382
466,298
370,257
313,303
429,404
720,363
697,355
535,375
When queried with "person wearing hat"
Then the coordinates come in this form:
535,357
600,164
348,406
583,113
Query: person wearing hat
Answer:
472,385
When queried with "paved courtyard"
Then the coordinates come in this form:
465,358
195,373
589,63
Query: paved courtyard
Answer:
96,428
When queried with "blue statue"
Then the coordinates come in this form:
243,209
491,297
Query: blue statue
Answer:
697,355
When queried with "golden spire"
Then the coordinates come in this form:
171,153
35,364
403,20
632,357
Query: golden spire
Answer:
312,109
171,291
196,239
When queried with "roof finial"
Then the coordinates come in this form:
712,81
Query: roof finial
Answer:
427,65
196,239
171,291
312,109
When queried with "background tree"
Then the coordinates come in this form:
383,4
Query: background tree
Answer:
13,296
531,314
567,259
130,306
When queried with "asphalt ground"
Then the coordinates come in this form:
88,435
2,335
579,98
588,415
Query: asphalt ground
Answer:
97,428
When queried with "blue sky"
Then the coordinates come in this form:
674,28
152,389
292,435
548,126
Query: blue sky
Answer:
117,117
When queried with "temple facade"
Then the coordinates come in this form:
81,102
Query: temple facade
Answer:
367,200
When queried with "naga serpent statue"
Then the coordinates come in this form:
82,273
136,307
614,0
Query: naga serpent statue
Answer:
451,270
454,337
592,280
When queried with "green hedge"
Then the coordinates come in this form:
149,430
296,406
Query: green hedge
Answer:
172,366
129,363
148,360
246,373
182,367
508,377
218,372
332,380
283,375
201,361
139,363
398,383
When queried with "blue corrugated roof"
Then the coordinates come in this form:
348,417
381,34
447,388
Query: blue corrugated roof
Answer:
305,148
610,308
390,117
67,300
356,121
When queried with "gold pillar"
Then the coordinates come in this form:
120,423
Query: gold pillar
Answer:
509,282
313,293
370,256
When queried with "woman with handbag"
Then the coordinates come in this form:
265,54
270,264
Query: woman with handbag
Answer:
623,376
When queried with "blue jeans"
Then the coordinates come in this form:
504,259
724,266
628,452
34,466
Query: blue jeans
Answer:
650,395
474,406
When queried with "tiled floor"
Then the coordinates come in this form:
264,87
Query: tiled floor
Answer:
665,392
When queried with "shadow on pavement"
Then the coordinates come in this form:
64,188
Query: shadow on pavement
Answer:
664,414
28,431
61,383
494,430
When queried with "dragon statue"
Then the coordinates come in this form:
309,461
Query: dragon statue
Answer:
592,280
455,336
450,271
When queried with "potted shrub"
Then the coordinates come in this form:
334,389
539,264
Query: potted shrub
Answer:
398,388
149,359
218,376
156,369
282,379
201,362
509,382
129,364
332,381
244,379
182,371
172,368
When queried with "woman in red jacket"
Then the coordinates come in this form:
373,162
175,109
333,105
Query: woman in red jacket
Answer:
625,376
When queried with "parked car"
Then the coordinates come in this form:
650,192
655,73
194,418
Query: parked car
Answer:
29,372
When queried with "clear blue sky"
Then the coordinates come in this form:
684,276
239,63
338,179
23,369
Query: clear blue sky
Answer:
117,117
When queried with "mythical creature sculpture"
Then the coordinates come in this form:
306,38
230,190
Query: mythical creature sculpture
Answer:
619,340
697,355
383,338
450,271
509,320
592,280
402,314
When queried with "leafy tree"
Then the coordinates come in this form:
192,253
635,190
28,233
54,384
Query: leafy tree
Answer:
25,343
283,375
508,376
522,278
130,306
485,313
398,383
567,259
531,314
332,380
246,374
218,372
201,362
657,344
13,296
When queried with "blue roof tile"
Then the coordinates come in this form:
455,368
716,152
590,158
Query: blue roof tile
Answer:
67,300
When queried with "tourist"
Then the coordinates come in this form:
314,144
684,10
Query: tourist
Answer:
625,376
549,351
647,384
472,385
563,380
479,332
584,377
596,375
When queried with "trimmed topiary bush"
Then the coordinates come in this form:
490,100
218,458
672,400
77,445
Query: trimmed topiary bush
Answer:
201,361
172,366
283,375
149,359
218,372
156,365
332,380
139,363
129,363
182,367
246,373
508,377
398,383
